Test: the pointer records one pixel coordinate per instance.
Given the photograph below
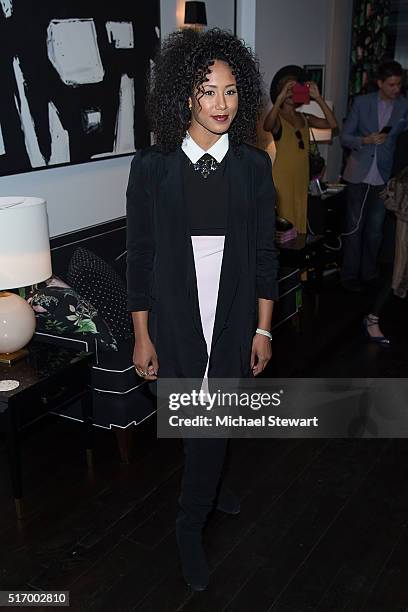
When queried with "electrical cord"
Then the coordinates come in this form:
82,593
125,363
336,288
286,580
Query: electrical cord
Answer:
353,231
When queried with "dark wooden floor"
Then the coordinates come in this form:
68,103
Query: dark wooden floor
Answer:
323,524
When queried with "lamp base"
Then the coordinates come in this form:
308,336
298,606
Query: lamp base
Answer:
17,326
10,358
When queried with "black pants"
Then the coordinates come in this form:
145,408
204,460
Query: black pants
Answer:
381,299
386,265
364,223
203,466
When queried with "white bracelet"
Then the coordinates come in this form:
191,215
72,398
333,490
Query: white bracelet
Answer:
264,332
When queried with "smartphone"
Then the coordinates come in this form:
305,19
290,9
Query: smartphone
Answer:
386,129
300,94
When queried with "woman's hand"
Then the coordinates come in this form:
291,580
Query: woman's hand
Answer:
260,354
313,90
286,91
145,359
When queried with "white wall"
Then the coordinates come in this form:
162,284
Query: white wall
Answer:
338,44
246,21
312,32
290,32
77,196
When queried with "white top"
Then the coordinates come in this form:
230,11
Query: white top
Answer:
194,151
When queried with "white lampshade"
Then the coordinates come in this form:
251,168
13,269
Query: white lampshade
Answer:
24,242
321,135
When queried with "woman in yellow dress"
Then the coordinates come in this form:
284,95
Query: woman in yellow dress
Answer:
290,130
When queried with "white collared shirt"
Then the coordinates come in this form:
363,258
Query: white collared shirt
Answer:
193,151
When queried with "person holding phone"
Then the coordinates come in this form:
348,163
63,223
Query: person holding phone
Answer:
289,90
370,132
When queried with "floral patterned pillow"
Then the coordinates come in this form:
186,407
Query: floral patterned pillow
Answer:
61,311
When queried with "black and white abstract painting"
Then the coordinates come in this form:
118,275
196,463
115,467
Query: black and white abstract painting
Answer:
73,80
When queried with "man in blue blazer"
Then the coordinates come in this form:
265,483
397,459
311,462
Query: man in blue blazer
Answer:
370,132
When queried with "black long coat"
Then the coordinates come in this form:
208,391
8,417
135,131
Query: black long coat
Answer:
160,262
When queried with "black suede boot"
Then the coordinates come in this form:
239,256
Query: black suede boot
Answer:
204,459
193,559
227,501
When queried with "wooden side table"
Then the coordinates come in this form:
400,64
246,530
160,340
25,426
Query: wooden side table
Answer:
49,377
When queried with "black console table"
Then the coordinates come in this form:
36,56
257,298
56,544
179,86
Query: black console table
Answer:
49,377
325,216
304,252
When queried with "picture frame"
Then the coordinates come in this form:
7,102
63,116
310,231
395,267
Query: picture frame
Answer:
78,94
316,73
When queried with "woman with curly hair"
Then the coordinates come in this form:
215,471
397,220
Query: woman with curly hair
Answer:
202,262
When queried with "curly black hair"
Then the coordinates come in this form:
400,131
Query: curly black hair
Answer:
181,67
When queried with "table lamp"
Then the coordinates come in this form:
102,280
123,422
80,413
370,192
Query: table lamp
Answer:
24,260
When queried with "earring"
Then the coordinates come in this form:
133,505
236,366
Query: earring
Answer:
190,105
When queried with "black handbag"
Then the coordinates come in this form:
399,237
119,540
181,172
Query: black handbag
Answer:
316,161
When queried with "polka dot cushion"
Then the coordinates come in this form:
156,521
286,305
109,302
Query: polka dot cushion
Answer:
95,280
